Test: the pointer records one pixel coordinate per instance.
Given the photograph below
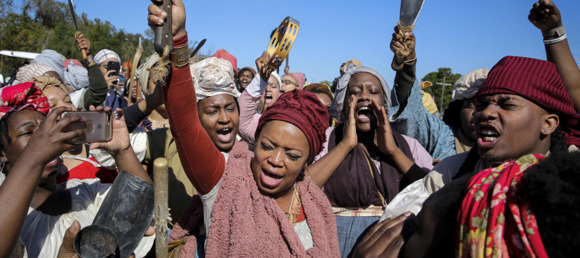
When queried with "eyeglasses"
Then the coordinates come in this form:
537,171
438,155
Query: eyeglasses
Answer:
289,82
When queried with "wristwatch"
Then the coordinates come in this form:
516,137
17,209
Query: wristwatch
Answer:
557,32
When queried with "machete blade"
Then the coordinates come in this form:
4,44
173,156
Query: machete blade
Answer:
410,11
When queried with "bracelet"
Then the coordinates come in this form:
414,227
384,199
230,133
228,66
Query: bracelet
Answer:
554,41
181,56
557,32
410,61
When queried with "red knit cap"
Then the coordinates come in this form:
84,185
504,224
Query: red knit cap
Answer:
533,79
304,110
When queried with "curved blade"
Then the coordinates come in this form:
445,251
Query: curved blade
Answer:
410,11
199,45
74,16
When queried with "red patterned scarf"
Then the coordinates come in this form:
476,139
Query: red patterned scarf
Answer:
22,96
492,221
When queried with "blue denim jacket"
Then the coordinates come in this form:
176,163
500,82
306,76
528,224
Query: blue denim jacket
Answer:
412,119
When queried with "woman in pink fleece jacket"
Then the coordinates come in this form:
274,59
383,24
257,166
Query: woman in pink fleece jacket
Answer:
267,204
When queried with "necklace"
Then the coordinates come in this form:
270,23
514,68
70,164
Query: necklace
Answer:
293,209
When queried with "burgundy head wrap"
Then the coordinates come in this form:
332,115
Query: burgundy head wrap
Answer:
22,96
533,79
304,110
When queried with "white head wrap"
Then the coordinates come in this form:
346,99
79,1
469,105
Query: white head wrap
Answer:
104,55
76,77
213,76
351,70
468,85
275,74
53,59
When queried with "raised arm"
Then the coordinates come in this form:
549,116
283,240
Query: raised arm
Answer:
97,91
201,160
546,17
411,118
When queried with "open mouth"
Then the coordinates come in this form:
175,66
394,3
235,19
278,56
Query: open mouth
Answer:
245,83
225,134
487,136
268,99
364,114
270,179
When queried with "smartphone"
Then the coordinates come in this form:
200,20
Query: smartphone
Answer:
98,128
113,66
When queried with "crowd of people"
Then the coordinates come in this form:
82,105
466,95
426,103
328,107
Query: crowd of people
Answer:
262,164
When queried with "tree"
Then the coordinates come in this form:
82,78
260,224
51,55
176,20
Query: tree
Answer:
442,81
47,24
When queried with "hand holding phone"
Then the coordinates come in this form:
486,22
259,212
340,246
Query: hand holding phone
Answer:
119,141
96,125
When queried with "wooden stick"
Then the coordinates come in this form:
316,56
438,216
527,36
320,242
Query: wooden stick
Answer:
161,212
133,81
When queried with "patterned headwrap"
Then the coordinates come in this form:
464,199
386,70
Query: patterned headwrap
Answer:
22,96
302,109
350,70
493,221
27,72
53,59
104,55
213,76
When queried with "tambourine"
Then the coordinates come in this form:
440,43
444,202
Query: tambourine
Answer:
282,41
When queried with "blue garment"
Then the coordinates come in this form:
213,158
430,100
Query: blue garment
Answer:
351,230
416,122
114,100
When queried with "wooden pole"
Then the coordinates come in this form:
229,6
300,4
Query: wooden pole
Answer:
161,212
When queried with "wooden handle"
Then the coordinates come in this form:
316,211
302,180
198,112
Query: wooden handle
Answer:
161,211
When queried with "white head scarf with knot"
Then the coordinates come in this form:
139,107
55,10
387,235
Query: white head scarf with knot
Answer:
144,71
213,76
105,54
468,85
351,70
